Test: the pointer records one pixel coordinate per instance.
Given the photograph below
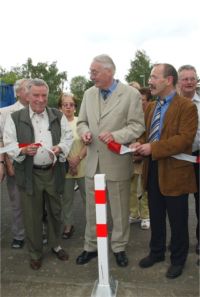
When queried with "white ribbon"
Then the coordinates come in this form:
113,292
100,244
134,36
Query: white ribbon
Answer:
12,147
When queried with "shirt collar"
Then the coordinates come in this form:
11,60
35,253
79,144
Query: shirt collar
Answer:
32,113
196,97
169,97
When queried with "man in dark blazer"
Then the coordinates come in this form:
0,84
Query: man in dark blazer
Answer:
168,180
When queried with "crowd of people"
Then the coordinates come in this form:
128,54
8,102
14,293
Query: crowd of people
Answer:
53,151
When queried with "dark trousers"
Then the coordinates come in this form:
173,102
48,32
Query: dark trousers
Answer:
196,195
177,210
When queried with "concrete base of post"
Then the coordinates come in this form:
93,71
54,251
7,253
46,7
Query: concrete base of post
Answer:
101,290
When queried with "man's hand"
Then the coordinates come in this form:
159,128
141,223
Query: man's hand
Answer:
144,149
56,149
30,150
87,138
106,137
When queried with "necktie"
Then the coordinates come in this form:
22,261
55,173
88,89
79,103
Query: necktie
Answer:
155,124
105,93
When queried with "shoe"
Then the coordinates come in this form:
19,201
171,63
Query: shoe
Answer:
35,264
85,257
174,271
198,249
150,261
121,259
61,254
198,262
145,224
133,220
17,244
68,234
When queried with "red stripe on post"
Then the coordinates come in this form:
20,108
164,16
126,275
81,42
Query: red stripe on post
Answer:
100,196
102,230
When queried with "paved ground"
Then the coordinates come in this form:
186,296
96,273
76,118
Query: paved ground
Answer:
58,279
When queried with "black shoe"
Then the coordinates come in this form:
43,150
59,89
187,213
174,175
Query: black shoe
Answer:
174,271
17,244
121,259
85,257
150,261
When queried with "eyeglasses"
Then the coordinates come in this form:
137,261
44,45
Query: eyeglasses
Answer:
68,105
93,72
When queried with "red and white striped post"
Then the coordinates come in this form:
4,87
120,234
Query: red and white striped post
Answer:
105,286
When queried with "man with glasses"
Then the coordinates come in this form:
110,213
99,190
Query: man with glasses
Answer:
109,111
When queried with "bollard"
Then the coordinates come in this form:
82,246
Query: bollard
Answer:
105,286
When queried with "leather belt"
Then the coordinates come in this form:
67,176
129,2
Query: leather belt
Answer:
42,167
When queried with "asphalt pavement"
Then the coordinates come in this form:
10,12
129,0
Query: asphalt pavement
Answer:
66,279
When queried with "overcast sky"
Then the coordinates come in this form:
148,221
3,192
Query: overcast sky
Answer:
73,32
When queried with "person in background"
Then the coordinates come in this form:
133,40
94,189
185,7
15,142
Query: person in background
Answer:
6,166
139,210
171,125
187,85
110,111
135,84
76,161
39,169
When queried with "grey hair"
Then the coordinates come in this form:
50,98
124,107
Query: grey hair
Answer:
187,67
106,61
20,84
37,82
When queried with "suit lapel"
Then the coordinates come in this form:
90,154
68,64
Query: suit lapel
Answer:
170,112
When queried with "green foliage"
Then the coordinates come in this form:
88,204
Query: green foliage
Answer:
45,71
8,77
140,69
78,85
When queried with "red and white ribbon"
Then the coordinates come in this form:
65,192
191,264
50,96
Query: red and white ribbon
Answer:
122,149
11,147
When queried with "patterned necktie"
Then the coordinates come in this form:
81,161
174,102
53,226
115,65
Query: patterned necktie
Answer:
155,124
105,93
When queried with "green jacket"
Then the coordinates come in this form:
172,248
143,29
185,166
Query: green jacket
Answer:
25,134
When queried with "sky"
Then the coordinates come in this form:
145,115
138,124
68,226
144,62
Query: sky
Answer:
72,32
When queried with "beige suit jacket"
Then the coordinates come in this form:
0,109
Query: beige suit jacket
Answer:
123,117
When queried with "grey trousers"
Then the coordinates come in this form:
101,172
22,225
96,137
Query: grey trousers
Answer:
17,225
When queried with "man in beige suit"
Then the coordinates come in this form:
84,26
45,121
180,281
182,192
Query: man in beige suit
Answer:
109,111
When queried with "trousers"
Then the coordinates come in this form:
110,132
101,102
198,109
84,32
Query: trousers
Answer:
17,225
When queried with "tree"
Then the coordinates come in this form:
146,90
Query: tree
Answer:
140,69
78,85
45,71
8,77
